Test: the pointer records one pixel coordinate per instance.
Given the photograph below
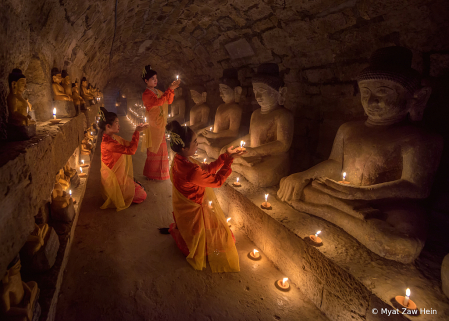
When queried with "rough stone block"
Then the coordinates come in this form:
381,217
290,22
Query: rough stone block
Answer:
445,275
64,108
17,133
65,214
319,75
336,310
239,49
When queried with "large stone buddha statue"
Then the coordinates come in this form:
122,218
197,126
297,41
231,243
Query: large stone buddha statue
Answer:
20,125
199,114
77,99
178,107
18,299
58,90
227,118
389,161
270,133
87,96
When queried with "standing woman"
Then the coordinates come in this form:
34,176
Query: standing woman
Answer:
156,105
119,189
200,229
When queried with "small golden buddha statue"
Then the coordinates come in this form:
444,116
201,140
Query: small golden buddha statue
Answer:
66,83
68,171
78,100
18,298
20,125
87,96
36,239
58,91
60,199
86,146
63,179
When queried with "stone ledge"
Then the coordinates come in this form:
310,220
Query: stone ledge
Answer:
342,277
27,174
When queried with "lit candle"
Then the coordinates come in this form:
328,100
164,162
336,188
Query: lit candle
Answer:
204,161
266,198
316,234
145,120
227,220
177,77
185,124
70,193
82,161
255,252
241,143
407,297
285,282
265,204
344,176
237,179
210,128
54,113
210,204
81,169
254,255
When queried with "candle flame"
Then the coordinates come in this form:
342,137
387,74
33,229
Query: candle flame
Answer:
316,234
344,175
407,292
241,143
54,111
82,161
210,128
228,219
81,169
255,251
210,203
266,197
237,179
70,192
177,77
145,119
284,280
204,160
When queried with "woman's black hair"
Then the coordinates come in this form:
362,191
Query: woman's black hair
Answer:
184,132
148,72
107,118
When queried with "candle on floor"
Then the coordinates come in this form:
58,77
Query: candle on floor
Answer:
283,284
265,204
237,183
407,297
315,238
405,301
254,255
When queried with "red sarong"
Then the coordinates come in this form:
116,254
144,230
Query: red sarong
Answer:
156,165
139,194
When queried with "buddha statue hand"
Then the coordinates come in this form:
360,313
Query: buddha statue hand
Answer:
291,187
248,161
341,191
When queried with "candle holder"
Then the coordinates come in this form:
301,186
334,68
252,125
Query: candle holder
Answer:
55,121
237,184
344,182
410,306
82,175
316,239
255,255
266,206
282,285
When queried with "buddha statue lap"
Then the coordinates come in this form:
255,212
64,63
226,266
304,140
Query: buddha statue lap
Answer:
77,97
61,205
62,101
20,125
178,107
227,118
270,133
85,94
390,164
199,114
18,299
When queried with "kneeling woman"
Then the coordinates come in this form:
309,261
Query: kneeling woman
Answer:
200,227
119,189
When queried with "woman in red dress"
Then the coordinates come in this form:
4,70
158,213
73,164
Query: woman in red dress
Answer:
119,188
200,229
156,104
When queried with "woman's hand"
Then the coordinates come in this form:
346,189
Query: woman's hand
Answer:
175,84
141,127
235,152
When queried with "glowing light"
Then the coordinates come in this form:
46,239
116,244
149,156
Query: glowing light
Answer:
204,160
228,219
284,281
210,203
266,197
82,161
177,77
255,252
81,169
344,175
210,128
70,192
54,113
237,179
407,297
316,234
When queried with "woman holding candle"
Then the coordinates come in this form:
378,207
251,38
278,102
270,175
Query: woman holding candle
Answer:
200,229
119,188
156,104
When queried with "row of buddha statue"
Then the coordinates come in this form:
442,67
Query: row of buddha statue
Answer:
68,98
390,160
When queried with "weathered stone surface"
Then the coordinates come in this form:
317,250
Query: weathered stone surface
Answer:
65,108
27,172
65,214
445,275
46,256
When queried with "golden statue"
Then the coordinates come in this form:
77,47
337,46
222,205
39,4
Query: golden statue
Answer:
20,124
60,199
63,179
76,95
17,298
36,239
58,91
87,96
86,146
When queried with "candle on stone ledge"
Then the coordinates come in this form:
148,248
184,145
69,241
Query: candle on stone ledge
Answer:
210,128
254,255
344,179
265,204
407,297
315,238
54,113
237,183
405,301
283,284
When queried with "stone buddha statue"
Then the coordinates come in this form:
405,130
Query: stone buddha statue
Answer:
18,299
63,179
78,100
36,239
87,96
86,146
178,107
58,90
66,83
199,114
389,161
60,199
227,118
20,125
270,133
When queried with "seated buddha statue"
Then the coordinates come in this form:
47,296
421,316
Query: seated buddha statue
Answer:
270,133
59,198
86,146
58,91
63,179
18,298
85,94
77,99
389,162
227,118
199,114
36,239
20,125
178,107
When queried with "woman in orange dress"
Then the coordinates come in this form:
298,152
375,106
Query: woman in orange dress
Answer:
119,188
200,229
156,104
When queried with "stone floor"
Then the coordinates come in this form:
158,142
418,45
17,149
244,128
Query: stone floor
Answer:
121,268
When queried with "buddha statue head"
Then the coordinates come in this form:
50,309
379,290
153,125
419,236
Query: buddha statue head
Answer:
75,86
84,82
17,82
391,89
268,87
65,78
229,86
198,94
56,75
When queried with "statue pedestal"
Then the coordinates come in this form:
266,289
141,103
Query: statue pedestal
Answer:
65,214
16,133
65,108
